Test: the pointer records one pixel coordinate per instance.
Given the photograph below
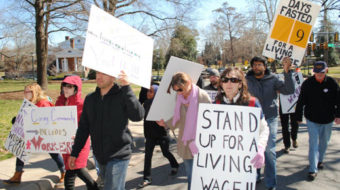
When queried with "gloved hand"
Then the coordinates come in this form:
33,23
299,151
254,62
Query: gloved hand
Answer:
193,148
258,160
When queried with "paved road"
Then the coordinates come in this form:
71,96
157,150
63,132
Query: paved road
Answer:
292,168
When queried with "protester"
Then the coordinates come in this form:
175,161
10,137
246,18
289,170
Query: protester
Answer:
155,135
35,94
265,86
319,100
70,95
185,117
214,77
233,90
284,118
105,118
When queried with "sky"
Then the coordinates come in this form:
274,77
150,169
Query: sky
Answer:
204,15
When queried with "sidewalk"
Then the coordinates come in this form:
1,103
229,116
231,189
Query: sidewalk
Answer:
292,168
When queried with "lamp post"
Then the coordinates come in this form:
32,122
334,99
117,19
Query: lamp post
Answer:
32,65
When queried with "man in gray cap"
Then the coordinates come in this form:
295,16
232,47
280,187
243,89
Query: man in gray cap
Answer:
319,101
214,77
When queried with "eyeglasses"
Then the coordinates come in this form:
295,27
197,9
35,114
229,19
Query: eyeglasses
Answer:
178,90
67,85
233,80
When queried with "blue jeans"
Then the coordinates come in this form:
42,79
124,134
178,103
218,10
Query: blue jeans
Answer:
19,165
270,155
114,173
188,164
319,135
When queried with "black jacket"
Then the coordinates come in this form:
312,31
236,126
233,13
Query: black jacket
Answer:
320,101
151,129
105,119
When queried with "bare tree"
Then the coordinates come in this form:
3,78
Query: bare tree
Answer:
231,22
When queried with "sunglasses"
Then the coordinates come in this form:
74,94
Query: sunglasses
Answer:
233,80
178,90
68,85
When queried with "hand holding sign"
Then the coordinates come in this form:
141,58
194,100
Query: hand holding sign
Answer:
258,160
287,63
123,79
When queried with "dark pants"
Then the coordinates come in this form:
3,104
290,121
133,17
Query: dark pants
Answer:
149,147
19,165
82,173
285,128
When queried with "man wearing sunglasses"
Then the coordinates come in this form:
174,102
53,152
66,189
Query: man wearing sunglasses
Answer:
265,86
319,99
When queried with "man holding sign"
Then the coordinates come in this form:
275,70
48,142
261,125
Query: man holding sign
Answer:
264,86
105,118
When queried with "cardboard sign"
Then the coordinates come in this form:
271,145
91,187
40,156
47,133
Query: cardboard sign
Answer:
212,94
288,102
112,46
226,137
163,105
50,129
290,31
15,142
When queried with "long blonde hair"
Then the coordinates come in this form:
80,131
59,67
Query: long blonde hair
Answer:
37,93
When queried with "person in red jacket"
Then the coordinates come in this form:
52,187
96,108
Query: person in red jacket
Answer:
70,95
35,94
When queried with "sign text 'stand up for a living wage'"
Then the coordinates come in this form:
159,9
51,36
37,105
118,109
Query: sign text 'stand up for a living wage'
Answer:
112,46
290,30
226,138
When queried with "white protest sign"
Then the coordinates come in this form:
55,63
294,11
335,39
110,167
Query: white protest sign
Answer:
290,30
163,106
112,45
226,138
15,141
288,102
50,129
212,94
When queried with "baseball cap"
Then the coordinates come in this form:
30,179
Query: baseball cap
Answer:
214,72
320,67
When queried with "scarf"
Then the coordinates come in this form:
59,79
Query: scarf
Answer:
190,118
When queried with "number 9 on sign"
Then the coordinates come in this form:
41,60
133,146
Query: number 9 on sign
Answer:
300,34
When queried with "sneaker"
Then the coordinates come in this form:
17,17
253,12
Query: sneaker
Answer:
174,171
320,165
295,144
286,150
144,183
312,176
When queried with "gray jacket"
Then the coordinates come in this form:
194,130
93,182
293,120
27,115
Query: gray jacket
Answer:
267,88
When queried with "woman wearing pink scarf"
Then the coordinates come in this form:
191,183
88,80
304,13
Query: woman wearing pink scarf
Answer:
185,117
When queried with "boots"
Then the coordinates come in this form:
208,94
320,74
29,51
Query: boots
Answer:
16,179
60,183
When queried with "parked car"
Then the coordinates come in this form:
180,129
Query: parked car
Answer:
156,78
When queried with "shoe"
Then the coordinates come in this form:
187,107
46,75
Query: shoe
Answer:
144,183
100,182
16,179
174,171
272,188
286,150
258,181
295,144
320,165
312,176
60,183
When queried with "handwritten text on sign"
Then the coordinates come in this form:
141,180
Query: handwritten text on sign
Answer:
112,45
226,137
291,29
15,142
288,102
50,129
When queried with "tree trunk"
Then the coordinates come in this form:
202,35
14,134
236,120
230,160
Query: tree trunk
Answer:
41,45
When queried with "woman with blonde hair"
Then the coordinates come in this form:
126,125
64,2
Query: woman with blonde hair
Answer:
36,95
